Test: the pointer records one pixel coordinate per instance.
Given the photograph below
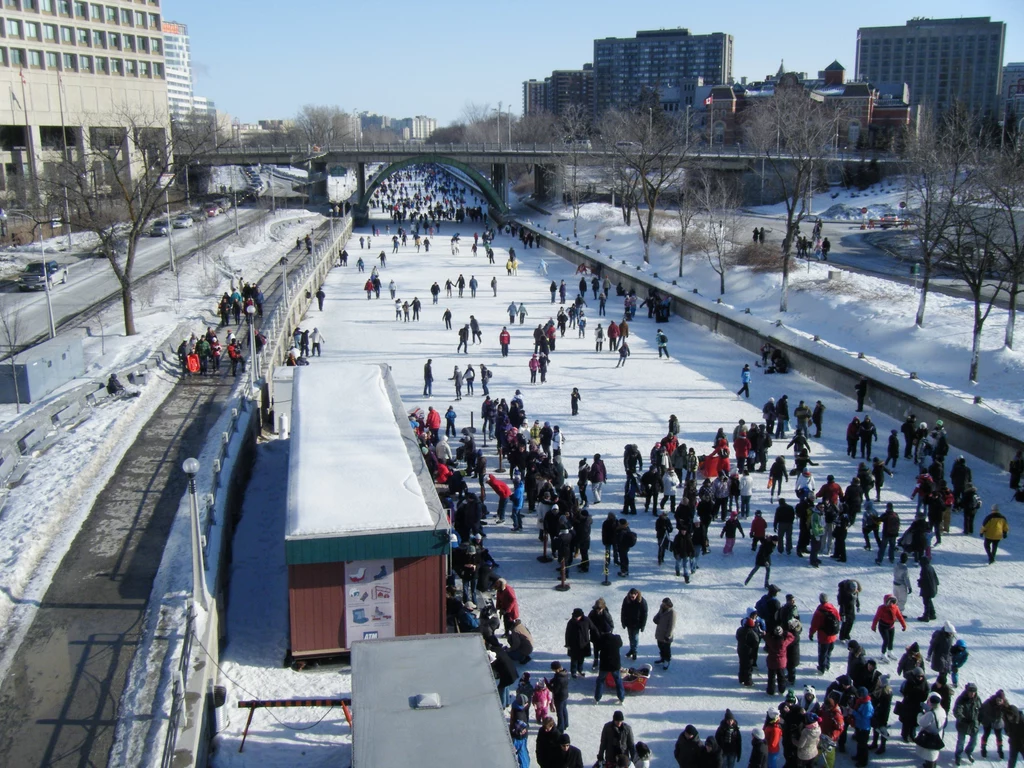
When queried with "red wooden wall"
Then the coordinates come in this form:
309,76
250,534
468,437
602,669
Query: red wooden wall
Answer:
316,603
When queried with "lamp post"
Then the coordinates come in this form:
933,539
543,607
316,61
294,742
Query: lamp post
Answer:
46,283
191,468
250,316
284,287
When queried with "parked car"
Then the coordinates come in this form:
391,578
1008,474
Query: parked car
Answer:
32,277
159,229
183,221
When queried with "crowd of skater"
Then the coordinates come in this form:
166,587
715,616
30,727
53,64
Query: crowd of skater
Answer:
695,493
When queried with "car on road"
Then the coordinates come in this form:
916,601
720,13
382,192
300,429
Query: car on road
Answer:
32,277
212,210
159,229
889,220
183,221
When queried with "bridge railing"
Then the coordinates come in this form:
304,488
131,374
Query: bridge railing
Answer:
503,150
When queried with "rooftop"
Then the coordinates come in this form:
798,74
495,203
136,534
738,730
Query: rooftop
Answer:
352,467
389,731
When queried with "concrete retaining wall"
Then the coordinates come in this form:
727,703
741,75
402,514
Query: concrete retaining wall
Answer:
972,428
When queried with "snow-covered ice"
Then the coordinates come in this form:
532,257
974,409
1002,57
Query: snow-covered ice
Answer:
619,406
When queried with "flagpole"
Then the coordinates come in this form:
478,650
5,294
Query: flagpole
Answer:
64,144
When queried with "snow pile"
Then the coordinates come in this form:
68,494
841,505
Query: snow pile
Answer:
844,212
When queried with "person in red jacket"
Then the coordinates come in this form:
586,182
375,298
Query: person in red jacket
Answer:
741,448
503,492
886,618
825,624
775,646
758,529
433,423
506,602
504,338
831,492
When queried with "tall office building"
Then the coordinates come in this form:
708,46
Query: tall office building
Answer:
534,96
71,68
657,59
944,61
568,88
1013,92
181,98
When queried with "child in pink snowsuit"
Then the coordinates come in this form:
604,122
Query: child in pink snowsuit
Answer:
541,701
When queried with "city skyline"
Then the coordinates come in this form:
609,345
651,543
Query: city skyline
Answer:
435,64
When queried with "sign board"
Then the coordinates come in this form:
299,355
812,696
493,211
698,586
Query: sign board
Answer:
903,204
863,210
369,600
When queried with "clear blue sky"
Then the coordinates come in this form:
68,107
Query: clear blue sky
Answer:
261,59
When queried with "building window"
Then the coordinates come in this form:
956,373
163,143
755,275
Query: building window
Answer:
50,33
81,10
154,21
52,60
46,5
13,28
157,45
158,69
116,67
126,16
144,44
99,39
111,15
17,57
96,12
853,132
64,7
70,62
143,69
35,59
67,35
130,68
31,30
83,36
28,5
85,63
115,40
101,65
140,19
129,42
12,5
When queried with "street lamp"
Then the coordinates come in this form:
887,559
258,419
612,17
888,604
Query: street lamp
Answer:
284,286
191,468
250,315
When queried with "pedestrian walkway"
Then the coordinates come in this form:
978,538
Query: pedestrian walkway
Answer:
59,703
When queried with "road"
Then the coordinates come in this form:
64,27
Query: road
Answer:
852,250
91,279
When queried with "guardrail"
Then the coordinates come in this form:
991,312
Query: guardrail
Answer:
729,151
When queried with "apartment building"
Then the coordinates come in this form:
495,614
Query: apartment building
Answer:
73,70
944,61
655,60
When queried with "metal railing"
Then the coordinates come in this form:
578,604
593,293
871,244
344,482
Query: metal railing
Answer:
178,690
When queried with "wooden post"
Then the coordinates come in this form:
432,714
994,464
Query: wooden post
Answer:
248,722
607,559
563,586
544,558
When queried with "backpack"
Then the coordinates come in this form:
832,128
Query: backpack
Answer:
629,538
829,623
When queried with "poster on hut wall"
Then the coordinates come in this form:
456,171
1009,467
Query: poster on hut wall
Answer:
369,600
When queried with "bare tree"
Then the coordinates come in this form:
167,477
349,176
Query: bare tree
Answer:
322,125
934,168
574,129
650,151
718,205
119,185
539,128
1004,181
793,133
13,335
684,200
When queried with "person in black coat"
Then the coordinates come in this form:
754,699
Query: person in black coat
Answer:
610,652
505,672
578,632
711,755
758,750
558,684
581,525
688,747
729,740
571,756
609,536
603,623
616,739
862,391
549,749
748,638
928,587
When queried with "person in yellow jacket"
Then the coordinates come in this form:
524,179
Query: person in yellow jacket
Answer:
994,529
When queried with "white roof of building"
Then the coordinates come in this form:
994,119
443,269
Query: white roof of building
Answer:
467,731
351,468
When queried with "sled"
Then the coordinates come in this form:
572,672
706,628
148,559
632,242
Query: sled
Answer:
633,680
193,363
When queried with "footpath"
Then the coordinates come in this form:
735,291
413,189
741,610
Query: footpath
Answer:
59,704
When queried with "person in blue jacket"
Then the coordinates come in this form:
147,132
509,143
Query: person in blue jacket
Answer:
518,497
745,378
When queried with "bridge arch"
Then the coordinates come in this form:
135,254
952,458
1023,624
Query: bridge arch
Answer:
490,194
